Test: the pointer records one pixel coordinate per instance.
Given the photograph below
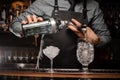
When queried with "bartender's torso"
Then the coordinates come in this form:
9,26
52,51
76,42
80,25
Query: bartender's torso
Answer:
65,40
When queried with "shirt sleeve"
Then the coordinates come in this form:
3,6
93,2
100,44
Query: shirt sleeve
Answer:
100,28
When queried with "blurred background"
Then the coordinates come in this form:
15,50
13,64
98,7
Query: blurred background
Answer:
25,50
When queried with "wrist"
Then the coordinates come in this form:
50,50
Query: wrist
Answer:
97,41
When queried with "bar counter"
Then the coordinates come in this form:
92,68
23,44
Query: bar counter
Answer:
64,73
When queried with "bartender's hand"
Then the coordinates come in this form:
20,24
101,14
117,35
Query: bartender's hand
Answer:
91,36
31,19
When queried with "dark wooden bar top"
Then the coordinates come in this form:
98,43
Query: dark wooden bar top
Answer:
95,73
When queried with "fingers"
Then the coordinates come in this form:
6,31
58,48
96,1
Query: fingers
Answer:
34,18
40,19
75,22
73,25
75,30
31,19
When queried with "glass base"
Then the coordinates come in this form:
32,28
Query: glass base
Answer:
85,69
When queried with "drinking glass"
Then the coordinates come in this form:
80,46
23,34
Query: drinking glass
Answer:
85,54
51,52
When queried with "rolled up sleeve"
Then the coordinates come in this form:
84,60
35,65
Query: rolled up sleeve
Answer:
100,28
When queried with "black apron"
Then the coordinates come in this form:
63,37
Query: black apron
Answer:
66,41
